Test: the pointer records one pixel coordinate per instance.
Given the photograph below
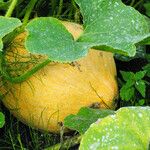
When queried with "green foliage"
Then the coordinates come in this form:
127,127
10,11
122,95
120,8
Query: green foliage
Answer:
141,102
140,53
147,68
127,129
48,36
4,5
103,29
147,7
2,119
134,81
7,25
84,118
17,136
1,44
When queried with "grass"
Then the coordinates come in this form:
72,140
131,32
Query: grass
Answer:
17,136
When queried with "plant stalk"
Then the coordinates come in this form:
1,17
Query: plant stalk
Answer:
24,76
10,136
138,3
19,139
66,144
53,7
11,8
60,8
28,11
132,3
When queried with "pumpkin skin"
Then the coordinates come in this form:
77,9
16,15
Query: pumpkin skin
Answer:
58,90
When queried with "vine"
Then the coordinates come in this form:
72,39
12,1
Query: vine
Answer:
11,8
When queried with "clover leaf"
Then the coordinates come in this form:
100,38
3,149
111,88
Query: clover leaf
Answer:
133,81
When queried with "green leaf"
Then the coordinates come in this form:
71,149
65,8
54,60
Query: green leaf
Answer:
7,25
4,5
127,75
148,57
127,90
84,118
141,102
147,7
147,68
127,93
1,44
110,25
48,36
140,53
141,87
2,119
128,129
139,75
147,40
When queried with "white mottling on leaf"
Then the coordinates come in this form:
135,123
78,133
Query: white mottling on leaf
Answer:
115,148
140,115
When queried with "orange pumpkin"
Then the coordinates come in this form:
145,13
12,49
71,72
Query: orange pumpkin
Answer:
57,90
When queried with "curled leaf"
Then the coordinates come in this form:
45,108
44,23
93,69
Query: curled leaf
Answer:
111,25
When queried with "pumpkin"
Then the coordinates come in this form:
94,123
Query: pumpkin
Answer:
57,90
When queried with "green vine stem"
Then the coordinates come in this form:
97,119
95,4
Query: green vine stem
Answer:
138,3
132,3
28,11
68,143
11,139
24,76
11,8
53,7
77,12
60,8
19,139
11,36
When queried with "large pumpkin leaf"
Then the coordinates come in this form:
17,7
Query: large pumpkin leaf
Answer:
48,36
7,25
108,25
140,53
2,120
84,118
129,128
112,26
